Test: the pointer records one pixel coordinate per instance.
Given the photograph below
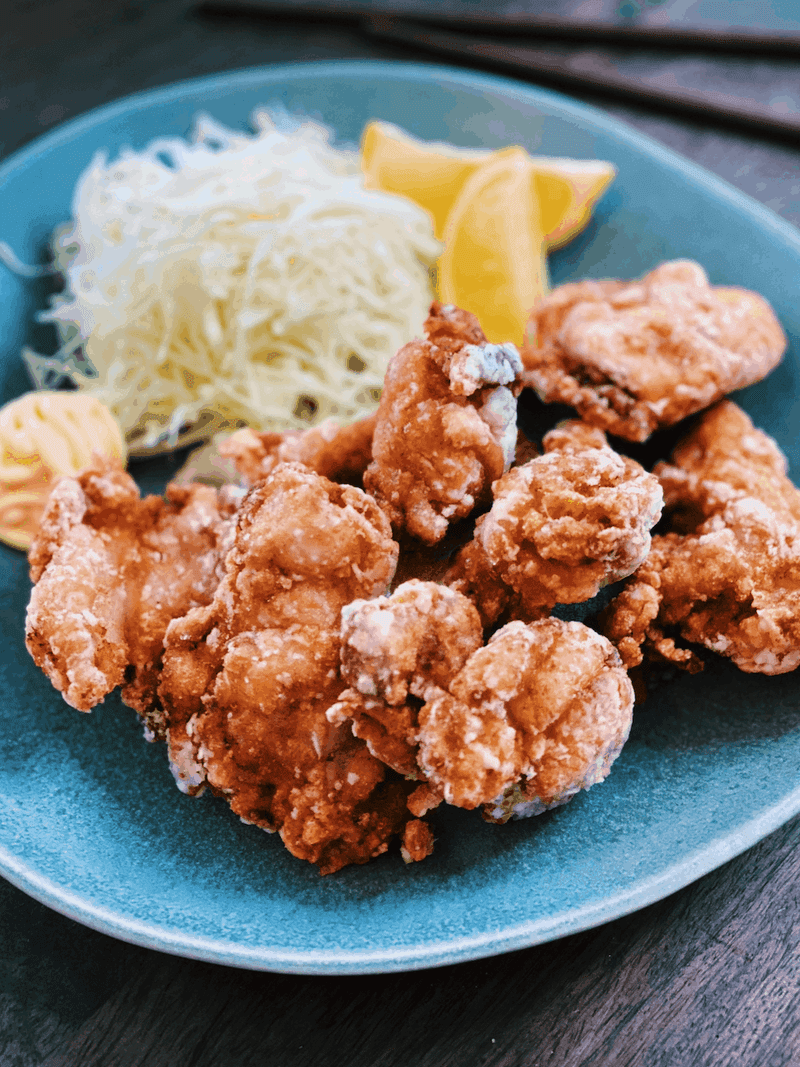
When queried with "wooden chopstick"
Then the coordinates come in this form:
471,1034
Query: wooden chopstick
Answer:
625,32
589,69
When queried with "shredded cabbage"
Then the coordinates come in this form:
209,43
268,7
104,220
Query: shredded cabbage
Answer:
233,280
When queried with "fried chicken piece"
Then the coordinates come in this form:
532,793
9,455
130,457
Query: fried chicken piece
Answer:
426,634
522,724
111,571
561,527
393,650
341,453
260,738
446,425
537,715
248,679
727,575
636,356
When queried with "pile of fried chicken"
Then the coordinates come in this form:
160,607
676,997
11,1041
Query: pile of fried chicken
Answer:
361,629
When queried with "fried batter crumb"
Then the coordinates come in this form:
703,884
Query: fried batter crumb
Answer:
417,841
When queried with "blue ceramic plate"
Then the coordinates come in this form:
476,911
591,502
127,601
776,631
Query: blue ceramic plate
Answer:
90,821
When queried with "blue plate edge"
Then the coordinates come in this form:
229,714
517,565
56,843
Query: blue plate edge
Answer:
441,954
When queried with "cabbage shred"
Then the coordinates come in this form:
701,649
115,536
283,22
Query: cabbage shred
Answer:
235,280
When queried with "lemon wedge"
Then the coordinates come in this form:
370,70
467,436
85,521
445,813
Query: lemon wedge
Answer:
493,262
430,173
568,190
433,175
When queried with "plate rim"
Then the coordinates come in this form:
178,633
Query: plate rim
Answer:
433,954
462,948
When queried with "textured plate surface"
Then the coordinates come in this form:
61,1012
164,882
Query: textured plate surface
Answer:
90,821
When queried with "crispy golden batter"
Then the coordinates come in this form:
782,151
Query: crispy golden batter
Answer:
536,715
636,356
111,571
446,425
248,679
517,725
561,527
341,453
393,650
727,575
426,633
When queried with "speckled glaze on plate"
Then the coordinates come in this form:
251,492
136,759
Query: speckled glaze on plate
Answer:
90,821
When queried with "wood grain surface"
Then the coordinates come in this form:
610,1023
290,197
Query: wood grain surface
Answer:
709,976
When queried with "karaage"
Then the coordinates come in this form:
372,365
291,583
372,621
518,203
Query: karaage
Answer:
632,357
535,716
446,425
341,453
561,527
248,679
514,726
394,649
111,571
255,630
727,575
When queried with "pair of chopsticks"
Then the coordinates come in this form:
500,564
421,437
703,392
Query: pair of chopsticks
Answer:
461,35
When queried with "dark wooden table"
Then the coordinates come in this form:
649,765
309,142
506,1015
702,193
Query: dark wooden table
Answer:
709,976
